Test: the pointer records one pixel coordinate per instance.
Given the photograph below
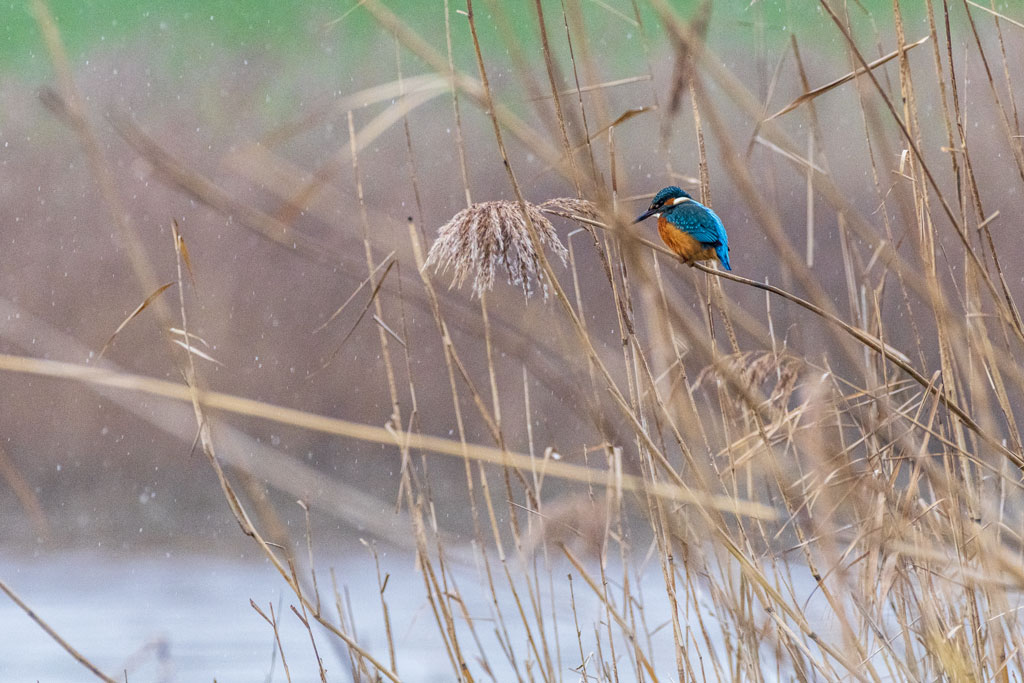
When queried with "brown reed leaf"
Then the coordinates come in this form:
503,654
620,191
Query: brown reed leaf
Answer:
179,244
484,236
131,316
808,96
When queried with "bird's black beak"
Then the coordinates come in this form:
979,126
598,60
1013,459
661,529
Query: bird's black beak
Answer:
646,214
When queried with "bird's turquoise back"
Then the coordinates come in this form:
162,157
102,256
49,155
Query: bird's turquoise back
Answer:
703,225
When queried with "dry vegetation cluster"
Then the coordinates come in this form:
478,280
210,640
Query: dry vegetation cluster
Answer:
810,469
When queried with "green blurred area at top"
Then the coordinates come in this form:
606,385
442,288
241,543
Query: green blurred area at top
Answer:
174,29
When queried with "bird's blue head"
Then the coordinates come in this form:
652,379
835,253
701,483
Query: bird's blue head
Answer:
665,199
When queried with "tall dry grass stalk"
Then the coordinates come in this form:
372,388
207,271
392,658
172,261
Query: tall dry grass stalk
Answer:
826,492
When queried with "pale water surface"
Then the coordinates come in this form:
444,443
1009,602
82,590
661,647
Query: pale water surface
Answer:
172,617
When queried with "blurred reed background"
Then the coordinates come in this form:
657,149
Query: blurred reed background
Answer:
854,421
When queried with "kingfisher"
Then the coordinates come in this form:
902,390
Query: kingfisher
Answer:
690,229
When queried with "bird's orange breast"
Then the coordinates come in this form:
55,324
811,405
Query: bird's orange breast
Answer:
683,244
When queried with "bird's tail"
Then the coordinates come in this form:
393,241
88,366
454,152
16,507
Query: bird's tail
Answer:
723,255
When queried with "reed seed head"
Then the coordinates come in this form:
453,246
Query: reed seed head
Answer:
776,375
571,206
488,235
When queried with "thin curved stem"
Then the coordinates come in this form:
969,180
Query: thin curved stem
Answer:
892,355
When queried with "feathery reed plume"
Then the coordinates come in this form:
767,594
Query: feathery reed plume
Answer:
568,207
575,520
489,234
774,374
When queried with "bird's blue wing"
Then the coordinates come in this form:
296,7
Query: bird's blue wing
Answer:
700,222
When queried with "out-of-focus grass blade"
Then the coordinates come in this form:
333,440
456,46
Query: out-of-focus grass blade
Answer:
807,96
141,307
364,98
178,173
366,136
381,435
